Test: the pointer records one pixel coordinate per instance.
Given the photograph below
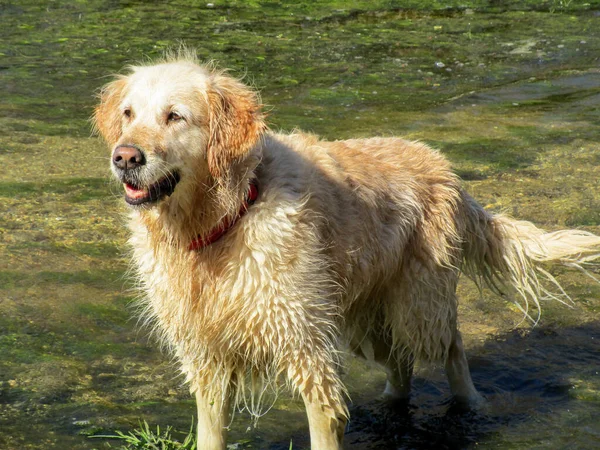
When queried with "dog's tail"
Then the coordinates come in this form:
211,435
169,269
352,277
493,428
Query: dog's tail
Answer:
504,255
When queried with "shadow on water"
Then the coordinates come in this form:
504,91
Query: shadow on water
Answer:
527,379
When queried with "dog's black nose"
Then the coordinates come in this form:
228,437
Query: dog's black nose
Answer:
127,157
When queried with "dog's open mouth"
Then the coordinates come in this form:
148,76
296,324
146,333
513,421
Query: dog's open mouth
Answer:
137,195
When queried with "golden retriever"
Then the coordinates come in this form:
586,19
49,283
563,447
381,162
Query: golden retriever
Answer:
264,255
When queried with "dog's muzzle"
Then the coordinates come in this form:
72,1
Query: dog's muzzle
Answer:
128,161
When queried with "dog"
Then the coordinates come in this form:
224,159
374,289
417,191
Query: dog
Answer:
266,255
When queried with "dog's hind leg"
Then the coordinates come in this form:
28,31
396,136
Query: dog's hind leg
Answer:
399,374
459,376
398,363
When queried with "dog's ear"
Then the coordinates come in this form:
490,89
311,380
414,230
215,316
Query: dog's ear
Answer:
107,115
235,120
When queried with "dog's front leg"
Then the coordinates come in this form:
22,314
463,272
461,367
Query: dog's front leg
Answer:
313,374
213,414
326,427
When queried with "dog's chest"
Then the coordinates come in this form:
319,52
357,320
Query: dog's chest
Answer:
209,301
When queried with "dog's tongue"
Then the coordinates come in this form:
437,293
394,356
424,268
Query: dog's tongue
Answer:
135,193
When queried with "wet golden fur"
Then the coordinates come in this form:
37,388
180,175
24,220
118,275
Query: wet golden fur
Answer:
355,243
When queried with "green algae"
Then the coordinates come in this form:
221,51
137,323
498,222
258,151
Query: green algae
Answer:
507,90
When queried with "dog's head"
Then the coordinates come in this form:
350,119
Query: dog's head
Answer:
176,123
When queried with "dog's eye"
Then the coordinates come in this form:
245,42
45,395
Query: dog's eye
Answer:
174,117
127,112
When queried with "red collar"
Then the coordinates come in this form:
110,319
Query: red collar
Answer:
218,232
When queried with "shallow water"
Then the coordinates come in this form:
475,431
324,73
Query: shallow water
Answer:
508,90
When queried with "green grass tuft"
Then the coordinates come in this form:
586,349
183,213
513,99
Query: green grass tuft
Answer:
145,438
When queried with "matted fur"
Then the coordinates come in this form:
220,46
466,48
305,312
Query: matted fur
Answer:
358,242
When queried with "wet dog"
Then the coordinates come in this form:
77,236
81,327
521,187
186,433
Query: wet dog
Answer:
263,255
